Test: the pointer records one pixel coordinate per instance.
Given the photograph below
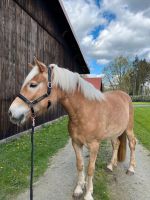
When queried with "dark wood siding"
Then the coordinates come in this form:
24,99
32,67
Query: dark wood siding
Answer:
22,37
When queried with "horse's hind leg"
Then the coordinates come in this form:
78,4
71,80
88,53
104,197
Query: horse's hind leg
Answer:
115,145
132,140
132,143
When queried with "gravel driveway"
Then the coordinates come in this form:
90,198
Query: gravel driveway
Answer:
60,178
136,187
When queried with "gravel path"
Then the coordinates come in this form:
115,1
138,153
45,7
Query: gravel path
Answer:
141,105
134,187
60,178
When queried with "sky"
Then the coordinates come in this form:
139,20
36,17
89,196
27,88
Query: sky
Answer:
106,29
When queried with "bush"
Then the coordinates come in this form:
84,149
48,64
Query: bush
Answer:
140,98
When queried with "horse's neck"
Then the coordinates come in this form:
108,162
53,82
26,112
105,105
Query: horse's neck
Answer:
72,104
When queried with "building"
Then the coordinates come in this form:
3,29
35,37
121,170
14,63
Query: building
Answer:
33,28
95,80
145,89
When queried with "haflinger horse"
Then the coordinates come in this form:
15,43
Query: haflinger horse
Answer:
93,117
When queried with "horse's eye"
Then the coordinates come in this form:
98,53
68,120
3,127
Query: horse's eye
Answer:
33,85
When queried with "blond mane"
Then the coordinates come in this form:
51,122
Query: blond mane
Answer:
69,81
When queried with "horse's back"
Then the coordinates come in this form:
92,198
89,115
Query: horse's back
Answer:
120,101
118,97
118,93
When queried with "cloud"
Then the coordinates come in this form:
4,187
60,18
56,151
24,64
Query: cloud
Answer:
123,28
84,16
136,5
103,61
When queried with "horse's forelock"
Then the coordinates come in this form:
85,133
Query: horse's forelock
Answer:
31,75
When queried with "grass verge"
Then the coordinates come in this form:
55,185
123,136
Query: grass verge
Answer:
100,177
142,125
15,157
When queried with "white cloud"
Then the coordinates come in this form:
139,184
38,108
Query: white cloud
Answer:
84,16
103,61
128,34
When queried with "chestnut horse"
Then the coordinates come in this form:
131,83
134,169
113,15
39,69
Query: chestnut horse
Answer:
93,117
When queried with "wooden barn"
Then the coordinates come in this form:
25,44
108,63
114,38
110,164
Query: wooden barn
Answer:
31,28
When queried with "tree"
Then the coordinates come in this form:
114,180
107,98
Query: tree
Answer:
117,73
134,76
140,74
120,74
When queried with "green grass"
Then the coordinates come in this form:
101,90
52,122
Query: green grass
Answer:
141,103
15,157
142,125
100,177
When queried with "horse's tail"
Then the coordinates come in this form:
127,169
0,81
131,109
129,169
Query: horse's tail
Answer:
122,147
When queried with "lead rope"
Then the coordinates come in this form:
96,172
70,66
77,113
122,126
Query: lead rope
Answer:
31,104
32,153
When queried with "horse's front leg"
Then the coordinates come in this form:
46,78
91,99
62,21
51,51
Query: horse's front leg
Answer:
80,168
93,148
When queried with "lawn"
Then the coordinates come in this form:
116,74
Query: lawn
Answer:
100,177
15,157
142,125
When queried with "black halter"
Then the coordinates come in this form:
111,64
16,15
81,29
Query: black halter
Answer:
32,103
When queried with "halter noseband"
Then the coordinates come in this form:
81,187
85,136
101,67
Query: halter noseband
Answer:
32,103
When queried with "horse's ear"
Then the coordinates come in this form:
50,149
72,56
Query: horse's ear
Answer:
42,66
30,65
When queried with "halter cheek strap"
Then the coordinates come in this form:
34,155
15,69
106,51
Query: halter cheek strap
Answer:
32,103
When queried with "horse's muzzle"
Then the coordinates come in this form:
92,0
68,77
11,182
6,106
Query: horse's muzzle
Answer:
15,120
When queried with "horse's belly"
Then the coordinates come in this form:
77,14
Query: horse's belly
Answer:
115,130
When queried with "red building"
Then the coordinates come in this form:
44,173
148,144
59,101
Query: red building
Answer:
96,81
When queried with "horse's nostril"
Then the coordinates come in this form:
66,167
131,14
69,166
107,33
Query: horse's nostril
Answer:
9,113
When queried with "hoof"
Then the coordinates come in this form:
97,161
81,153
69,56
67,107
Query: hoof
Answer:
88,197
78,197
109,168
91,198
130,173
78,192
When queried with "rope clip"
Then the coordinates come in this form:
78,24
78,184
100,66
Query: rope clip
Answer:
33,120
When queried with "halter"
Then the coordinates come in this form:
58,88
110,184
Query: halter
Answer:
31,105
